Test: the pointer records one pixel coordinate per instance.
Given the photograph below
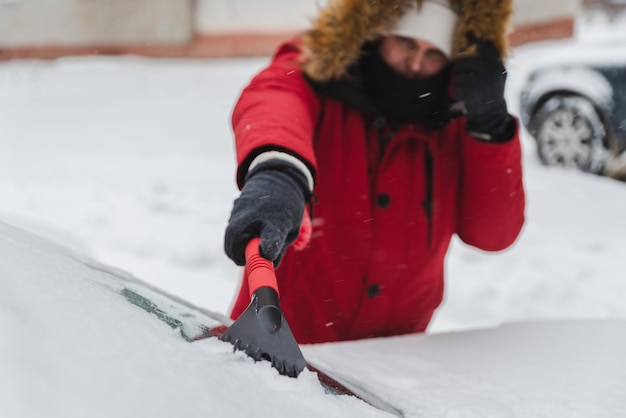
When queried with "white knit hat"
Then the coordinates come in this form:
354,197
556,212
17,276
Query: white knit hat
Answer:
434,22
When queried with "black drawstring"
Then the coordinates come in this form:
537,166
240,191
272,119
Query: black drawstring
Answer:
312,200
427,204
379,123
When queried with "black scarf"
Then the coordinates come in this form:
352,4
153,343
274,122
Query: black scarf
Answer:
399,98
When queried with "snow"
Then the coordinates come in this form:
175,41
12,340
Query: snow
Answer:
130,162
73,348
540,369
588,82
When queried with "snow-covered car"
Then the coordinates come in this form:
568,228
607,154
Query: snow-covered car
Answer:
83,339
576,111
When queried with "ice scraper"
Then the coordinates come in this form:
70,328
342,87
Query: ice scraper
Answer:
262,331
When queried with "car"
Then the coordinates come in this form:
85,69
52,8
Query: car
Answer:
576,112
81,338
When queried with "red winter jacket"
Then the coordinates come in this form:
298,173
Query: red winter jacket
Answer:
384,220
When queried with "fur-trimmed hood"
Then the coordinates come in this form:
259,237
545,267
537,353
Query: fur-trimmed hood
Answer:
343,26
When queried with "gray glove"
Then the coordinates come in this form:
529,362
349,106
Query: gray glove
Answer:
270,206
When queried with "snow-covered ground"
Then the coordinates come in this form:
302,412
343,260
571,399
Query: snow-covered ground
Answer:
130,161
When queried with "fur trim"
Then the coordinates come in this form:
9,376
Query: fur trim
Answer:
334,42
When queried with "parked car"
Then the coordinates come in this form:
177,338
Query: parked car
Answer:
576,111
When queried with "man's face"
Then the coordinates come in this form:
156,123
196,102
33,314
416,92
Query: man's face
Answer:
412,58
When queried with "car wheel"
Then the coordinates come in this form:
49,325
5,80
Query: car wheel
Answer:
570,133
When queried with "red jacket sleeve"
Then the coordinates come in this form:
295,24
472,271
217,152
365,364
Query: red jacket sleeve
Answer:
492,199
278,110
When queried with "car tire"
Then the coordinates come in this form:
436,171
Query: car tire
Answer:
570,133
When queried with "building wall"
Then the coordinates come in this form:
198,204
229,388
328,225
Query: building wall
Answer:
536,20
538,11
79,22
263,16
232,16
201,28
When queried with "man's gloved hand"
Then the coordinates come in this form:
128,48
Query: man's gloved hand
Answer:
479,83
270,206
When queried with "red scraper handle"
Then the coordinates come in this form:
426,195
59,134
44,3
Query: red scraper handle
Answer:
260,270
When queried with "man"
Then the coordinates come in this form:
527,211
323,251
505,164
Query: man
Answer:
390,116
